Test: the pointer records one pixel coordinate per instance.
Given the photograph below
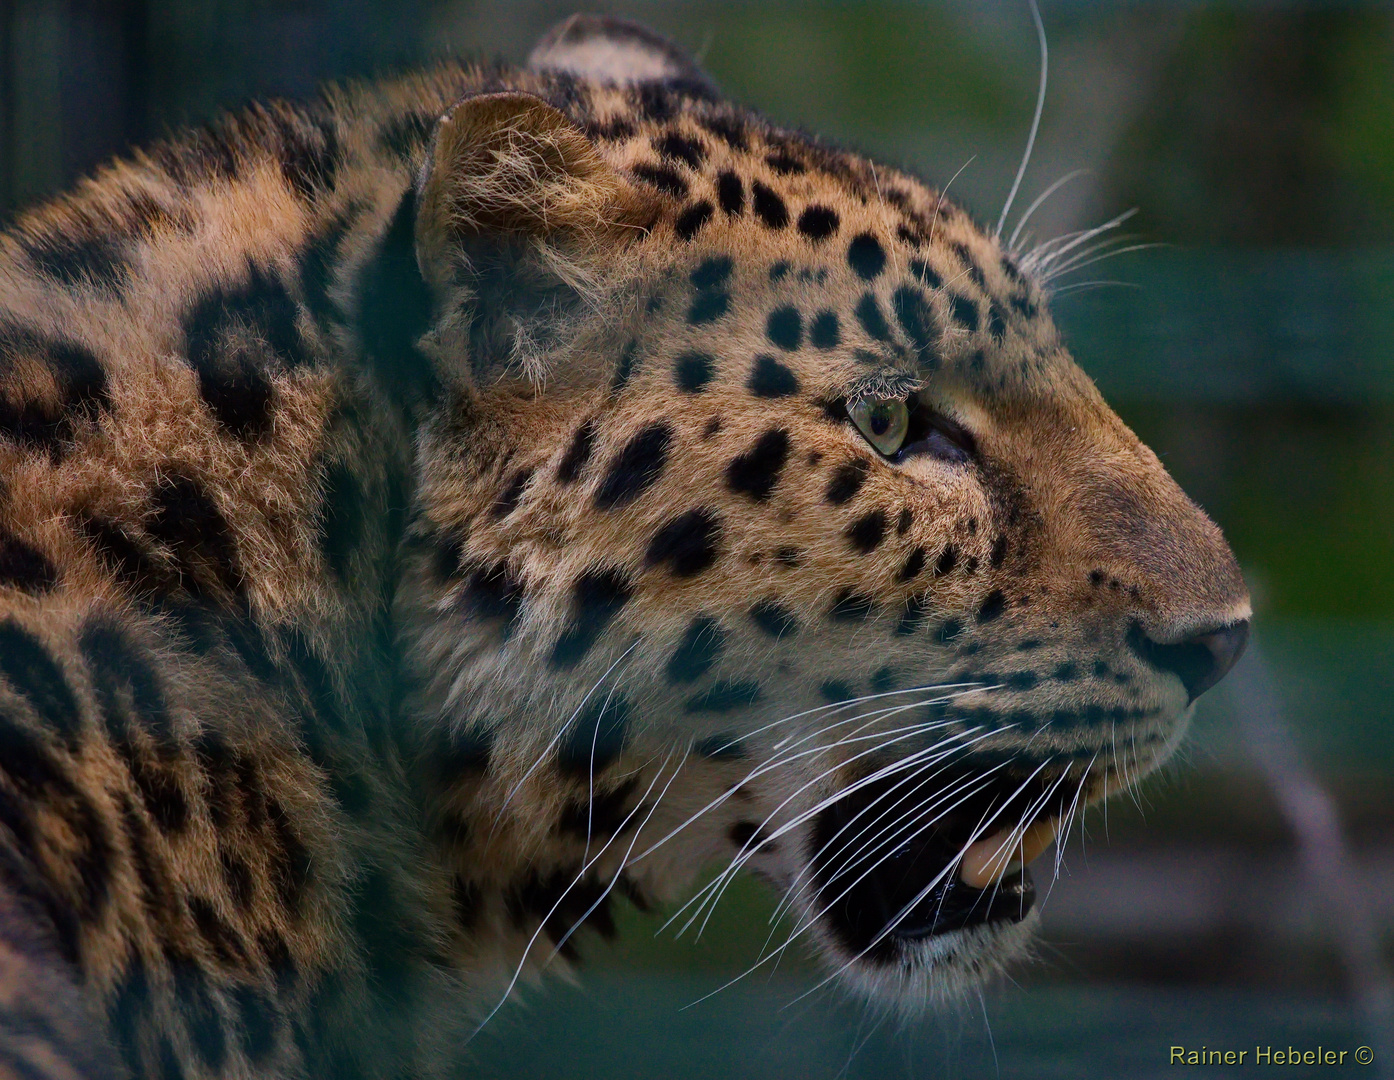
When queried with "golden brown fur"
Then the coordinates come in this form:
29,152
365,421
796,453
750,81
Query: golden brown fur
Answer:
432,513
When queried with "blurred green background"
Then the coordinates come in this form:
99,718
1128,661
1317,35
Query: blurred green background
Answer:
1253,349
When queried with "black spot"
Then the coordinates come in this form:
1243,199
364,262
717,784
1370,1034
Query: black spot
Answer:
722,747
926,274
1066,672
847,480
662,177
698,651
784,163
394,308
404,135
342,518
883,680
689,151
756,472
868,313
818,222
25,567
992,606
789,557
233,337
237,875
184,517
693,370
1023,680
711,427
747,836
852,607
712,273
768,206
507,500
975,272
691,220
866,532
80,386
771,379
824,332
999,551
597,736
724,696
913,565
948,630
465,751
730,192
780,270
687,543
492,592
835,690
624,370
774,619
257,1022
636,467
708,307
604,813
729,129
996,324
26,665
578,453
964,312
597,598
290,861
784,327
904,521
866,256
912,311
204,1021
215,930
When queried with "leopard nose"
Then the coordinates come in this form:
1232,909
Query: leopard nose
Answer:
1199,661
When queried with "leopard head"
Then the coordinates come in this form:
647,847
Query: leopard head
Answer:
764,520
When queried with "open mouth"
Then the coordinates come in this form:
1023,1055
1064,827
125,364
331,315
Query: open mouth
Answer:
900,859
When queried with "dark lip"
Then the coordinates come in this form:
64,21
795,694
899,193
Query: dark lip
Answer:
869,875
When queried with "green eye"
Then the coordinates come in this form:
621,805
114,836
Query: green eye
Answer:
884,422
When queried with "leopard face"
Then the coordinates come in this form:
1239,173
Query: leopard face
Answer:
768,522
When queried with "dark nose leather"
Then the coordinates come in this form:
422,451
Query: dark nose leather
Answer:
1200,661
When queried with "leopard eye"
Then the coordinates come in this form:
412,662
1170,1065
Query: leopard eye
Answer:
883,421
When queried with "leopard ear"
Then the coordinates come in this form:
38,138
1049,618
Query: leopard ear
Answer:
606,49
509,166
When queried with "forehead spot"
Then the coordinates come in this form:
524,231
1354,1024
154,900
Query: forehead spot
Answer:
824,332
912,311
964,312
730,193
847,480
771,379
818,222
784,328
768,206
992,606
780,270
682,148
756,472
926,274
947,558
866,256
636,467
712,273
868,313
836,690
693,370
865,534
688,543
578,453
913,565
597,597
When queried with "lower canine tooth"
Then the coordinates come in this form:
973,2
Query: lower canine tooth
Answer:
988,860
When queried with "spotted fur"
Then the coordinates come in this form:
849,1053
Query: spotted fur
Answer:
431,514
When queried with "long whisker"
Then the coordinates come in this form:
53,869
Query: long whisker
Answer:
1039,200
1035,120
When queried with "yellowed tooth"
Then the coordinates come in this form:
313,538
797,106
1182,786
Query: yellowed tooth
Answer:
985,861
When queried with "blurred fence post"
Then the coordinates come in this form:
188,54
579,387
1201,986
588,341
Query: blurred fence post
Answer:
1311,812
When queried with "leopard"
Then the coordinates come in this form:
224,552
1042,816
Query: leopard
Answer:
438,512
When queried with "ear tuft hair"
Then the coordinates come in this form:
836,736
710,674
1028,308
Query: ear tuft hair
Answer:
606,49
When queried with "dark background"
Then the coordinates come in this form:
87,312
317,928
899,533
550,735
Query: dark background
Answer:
1253,349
